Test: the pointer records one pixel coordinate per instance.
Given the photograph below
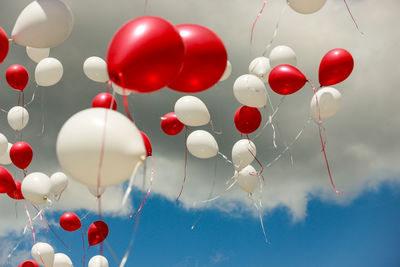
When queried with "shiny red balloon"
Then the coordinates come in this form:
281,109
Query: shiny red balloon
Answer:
335,67
4,45
104,100
7,183
205,59
70,222
17,77
97,232
147,144
17,193
286,79
29,264
247,119
21,154
170,124
145,55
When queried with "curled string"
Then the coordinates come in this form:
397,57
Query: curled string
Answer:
135,228
351,15
213,128
33,96
270,118
275,31
260,217
255,21
185,169
30,223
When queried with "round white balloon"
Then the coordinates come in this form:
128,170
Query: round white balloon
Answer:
98,261
43,254
227,73
306,6
62,260
94,192
260,67
191,111
247,179
3,145
95,131
5,158
250,90
202,144
282,54
18,118
329,102
37,54
95,68
243,153
59,182
119,90
48,72
36,188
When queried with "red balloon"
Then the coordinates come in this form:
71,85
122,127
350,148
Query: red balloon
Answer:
247,119
145,55
286,79
97,232
17,193
335,67
21,154
4,45
29,264
104,100
170,124
17,77
7,183
70,222
147,144
205,59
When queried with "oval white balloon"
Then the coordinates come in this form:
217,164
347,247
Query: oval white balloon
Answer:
3,145
79,145
243,153
36,188
98,261
247,179
119,90
260,67
329,102
191,111
43,254
95,68
202,144
18,118
93,191
62,260
250,90
227,73
37,54
43,24
48,72
282,54
59,182
5,158
306,6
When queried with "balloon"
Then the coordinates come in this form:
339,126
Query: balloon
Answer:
260,67
243,153
48,72
335,67
145,55
120,90
286,79
170,124
17,193
36,188
306,6
147,144
59,182
5,158
191,111
18,118
329,102
29,264
228,71
4,45
97,232
7,183
250,90
204,62
43,24
62,260
247,179
247,119
21,155
202,144
93,191
3,145
37,54
70,222
95,68
282,55
98,261
104,100
91,132
43,253
17,77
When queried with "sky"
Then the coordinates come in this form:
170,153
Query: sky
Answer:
306,222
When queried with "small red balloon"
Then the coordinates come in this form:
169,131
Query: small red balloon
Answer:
286,79
7,183
4,45
147,144
247,119
335,67
205,59
104,100
21,154
29,264
17,193
70,222
97,232
170,124
17,77
145,55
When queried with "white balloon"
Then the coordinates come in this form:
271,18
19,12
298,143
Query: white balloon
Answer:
59,182
43,254
306,6
43,24
18,118
282,54
48,72
202,144
5,158
80,143
243,153
36,188
93,191
98,261
95,68
329,102
250,90
191,111
37,54
260,67
228,71
119,90
3,145
62,260
247,179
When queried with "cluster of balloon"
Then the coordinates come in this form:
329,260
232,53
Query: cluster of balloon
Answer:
44,254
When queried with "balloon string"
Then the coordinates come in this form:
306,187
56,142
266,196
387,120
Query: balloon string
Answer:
226,190
213,128
42,111
185,169
260,217
351,15
84,247
255,21
270,118
115,258
226,159
30,222
33,96
259,173
135,228
108,87
275,31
